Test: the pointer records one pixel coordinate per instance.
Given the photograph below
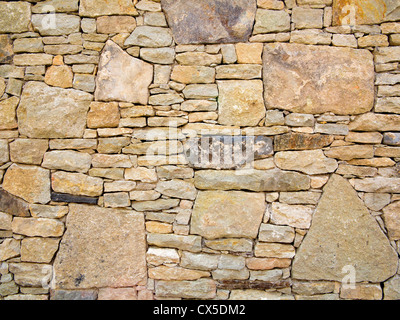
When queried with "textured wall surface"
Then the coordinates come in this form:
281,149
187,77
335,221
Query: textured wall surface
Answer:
214,149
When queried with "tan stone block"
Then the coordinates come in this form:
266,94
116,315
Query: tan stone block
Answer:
119,294
158,227
274,250
362,292
8,109
31,183
249,53
193,74
267,263
40,250
76,184
38,227
59,76
316,97
246,96
176,273
95,8
115,24
245,214
102,248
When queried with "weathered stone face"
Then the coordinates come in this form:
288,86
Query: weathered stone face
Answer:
210,21
255,180
358,12
6,49
101,248
343,233
30,183
96,8
14,16
220,214
241,102
226,152
341,80
122,77
62,110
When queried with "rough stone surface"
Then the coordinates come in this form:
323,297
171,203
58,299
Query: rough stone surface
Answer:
297,216
122,77
12,205
355,12
38,227
30,183
256,180
310,162
226,152
153,37
202,288
76,184
240,102
210,21
101,248
301,141
220,214
336,235
96,8
391,216
375,122
291,68
14,16
63,110
8,109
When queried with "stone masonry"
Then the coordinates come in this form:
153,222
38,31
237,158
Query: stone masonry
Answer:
186,149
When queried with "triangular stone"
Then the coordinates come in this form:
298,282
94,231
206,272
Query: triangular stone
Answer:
343,233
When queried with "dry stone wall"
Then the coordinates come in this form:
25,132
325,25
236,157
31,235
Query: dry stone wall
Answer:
213,149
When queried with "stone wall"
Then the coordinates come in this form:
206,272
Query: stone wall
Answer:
188,149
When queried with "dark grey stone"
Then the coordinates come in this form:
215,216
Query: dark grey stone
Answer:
210,21
13,205
73,295
392,138
226,152
63,197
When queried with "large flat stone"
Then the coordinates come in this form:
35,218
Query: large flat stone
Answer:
62,110
358,12
122,77
101,248
210,21
14,16
253,180
227,214
341,80
343,233
30,183
96,8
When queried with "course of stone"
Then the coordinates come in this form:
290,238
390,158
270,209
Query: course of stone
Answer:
187,149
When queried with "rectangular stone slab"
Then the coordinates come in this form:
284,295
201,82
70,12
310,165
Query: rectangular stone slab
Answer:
101,248
226,152
317,79
221,214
